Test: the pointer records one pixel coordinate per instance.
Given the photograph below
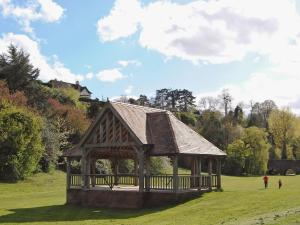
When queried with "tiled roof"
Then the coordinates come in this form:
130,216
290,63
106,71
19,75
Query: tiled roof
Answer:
163,130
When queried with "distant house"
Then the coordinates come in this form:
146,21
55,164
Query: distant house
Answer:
85,93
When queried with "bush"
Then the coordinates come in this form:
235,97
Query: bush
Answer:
159,165
188,118
290,172
20,143
126,166
51,142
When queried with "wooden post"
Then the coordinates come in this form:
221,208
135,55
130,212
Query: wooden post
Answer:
219,166
210,174
116,170
141,169
83,167
175,173
68,173
93,172
136,172
199,173
87,172
194,172
147,172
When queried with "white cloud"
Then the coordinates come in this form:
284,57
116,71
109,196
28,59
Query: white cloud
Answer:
48,71
263,86
126,63
34,10
89,76
218,32
128,90
113,26
210,31
110,75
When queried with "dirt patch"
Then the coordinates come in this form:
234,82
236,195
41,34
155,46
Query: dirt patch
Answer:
265,218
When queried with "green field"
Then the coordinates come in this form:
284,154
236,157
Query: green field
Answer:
40,200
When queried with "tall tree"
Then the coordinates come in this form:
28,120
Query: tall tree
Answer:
238,115
208,103
143,100
266,108
172,99
282,127
186,100
16,69
210,127
226,99
249,154
161,98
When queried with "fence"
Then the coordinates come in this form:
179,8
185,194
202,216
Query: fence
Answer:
156,182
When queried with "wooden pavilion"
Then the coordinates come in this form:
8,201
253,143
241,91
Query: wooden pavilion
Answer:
125,131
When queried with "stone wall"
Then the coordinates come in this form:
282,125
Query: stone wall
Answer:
281,166
126,199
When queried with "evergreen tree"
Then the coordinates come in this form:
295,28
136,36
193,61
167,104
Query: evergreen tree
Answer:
16,69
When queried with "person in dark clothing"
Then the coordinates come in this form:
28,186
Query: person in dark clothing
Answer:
279,183
266,181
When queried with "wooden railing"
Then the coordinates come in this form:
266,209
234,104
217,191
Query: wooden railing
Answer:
76,180
189,182
112,180
214,181
161,182
128,179
157,182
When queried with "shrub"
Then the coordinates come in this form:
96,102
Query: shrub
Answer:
159,165
20,143
290,172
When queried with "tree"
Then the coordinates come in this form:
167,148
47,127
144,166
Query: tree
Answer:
20,143
236,158
143,100
256,142
208,103
210,127
266,108
186,100
260,112
94,108
225,99
282,127
17,98
132,101
255,117
238,115
70,122
172,99
160,100
189,118
52,141
250,154
16,69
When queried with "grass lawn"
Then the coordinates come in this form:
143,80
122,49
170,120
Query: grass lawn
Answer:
40,200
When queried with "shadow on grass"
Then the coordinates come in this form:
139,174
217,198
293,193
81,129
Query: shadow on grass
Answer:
60,213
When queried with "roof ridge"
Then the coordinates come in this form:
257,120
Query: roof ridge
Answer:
139,106
172,132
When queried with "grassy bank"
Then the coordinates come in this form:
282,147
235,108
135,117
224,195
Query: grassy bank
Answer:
40,200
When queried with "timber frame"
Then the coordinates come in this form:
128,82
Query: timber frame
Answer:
124,131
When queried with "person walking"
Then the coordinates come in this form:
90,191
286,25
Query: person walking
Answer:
266,181
279,183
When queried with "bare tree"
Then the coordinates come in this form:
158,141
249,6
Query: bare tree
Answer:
208,103
225,99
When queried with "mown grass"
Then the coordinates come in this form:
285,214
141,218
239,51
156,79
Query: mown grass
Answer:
40,200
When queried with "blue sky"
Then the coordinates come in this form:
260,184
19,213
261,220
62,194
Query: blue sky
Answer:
134,47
